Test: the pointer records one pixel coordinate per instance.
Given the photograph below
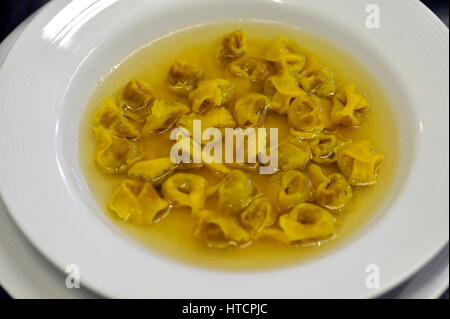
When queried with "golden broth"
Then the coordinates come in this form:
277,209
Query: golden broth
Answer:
173,235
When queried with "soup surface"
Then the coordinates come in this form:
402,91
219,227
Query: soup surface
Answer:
337,146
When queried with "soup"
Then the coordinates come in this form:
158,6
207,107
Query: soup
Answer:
336,150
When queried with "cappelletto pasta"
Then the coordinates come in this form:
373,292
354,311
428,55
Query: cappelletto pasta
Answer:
324,161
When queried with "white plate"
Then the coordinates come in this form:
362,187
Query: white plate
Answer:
64,52
25,273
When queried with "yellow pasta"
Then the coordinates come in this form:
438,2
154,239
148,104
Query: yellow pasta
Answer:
259,214
348,106
232,46
307,221
293,187
164,114
154,170
317,79
183,77
293,154
138,203
250,68
332,192
115,154
110,116
236,192
359,163
250,109
219,231
210,93
186,190
323,157
304,113
136,100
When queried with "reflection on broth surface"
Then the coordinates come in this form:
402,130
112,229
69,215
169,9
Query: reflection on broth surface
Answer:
337,152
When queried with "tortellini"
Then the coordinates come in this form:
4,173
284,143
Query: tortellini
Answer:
110,116
304,113
136,100
292,62
259,214
252,88
285,84
278,49
348,106
293,154
183,77
307,222
324,148
154,170
217,117
332,192
283,88
138,203
232,46
115,154
250,109
293,187
250,68
359,163
164,114
317,79
219,231
186,190
236,192
273,234
209,94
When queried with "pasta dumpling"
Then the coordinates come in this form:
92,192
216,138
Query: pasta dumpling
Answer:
210,93
307,222
186,190
250,68
232,46
348,106
316,175
332,192
138,203
273,234
217,117
304,113
294,188
164,115
293,154
250,109
115,154
259,214
324,148
219,231
136,100
198,141
359,164
317,79
278,49
292,62
283,88
283,83
110,116
154,170
183,77
236,192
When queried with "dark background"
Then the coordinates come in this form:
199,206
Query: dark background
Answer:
13,12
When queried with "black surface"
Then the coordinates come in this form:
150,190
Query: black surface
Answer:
13,12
